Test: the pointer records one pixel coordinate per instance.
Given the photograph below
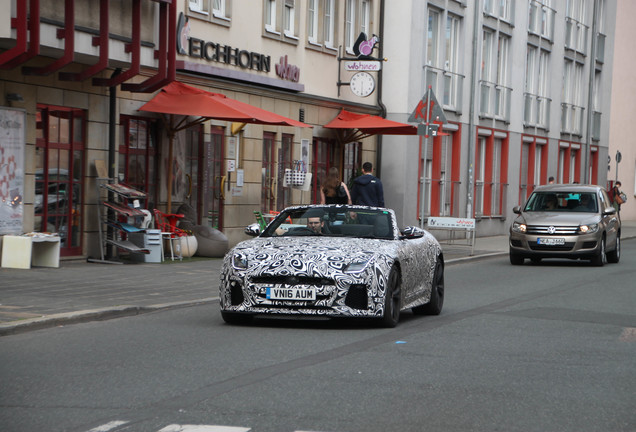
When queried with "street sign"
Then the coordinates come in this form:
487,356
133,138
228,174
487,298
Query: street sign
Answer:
428,110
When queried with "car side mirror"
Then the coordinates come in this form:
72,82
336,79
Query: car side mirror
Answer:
516,210
411,232
253,230
609,211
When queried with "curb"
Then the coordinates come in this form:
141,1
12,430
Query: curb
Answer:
102,314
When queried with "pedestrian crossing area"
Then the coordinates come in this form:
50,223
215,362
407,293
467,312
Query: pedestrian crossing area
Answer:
122,425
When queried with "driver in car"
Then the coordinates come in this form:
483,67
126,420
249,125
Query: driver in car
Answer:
315,224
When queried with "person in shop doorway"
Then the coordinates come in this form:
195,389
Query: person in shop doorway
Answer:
367,188
334,191
551,180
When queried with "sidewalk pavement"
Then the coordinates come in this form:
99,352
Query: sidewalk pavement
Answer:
79,291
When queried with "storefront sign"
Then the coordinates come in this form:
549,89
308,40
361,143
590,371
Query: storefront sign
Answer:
363,65
199,48
287,71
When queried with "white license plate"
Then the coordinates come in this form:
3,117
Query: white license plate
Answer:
551,241
291,293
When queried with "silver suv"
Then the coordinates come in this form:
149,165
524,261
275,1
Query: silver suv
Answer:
566,221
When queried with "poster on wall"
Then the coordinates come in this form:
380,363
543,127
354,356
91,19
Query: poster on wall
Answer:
12,145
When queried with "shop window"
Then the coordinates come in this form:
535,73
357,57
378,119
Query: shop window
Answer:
268,173
284,194
138,155
59,175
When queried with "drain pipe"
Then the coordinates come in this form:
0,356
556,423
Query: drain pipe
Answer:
471,116
112,142
378,169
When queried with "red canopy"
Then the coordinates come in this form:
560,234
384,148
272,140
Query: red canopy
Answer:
181,99
197,106
365,125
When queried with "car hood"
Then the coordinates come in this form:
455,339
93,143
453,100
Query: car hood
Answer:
322,256
558,218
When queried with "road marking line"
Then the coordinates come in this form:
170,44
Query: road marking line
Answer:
109,426
203,428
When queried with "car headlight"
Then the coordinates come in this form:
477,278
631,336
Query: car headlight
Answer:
356,266
239,262
588,229
519,227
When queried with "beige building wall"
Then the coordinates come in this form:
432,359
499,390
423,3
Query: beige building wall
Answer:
623,98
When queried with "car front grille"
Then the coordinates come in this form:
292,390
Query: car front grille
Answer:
291,280
547,230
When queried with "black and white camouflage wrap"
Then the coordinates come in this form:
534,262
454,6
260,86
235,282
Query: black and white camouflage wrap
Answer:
320,262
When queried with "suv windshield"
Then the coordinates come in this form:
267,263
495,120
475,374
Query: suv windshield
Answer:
339,221
562,202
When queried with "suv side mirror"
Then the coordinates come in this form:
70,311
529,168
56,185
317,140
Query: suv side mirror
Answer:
609,211
516,210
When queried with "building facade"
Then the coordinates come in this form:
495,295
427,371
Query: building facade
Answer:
75,73
623,110
524,87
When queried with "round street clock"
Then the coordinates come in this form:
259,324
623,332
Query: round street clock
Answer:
362,84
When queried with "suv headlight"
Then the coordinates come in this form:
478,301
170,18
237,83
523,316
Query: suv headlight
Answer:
239,262
588,229
519,227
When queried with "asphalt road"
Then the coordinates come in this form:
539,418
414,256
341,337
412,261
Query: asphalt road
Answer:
548,347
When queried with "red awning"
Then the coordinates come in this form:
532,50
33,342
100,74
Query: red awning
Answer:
195,106
365,125
181,99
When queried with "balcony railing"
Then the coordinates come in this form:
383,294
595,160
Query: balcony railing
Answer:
596,125
572,119
541,20
447,86
498,200
575,35
536,111
494,101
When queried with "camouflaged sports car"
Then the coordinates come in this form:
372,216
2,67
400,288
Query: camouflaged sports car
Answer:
333,261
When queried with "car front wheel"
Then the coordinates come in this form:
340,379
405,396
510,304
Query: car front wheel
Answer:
392,300
615,255
600,259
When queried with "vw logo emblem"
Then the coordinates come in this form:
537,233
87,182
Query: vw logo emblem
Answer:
551,230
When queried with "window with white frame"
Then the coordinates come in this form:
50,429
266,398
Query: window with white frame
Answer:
536,105
289,18
218,8
575,27
350,25
365,17
433,38
200,6
312,21
572,109
452,77
270,15
330,23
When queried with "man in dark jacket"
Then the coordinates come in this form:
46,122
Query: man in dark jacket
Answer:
367,189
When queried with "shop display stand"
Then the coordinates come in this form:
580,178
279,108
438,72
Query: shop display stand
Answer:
119,197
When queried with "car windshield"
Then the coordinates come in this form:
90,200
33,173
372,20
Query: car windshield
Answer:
562,202
336,221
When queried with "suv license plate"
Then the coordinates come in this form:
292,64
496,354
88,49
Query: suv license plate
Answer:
291,294
550,241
